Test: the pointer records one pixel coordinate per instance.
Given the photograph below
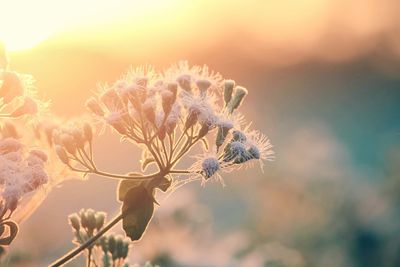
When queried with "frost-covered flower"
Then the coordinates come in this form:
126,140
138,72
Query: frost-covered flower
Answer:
20,171
247,146
260,147
190,104
209,167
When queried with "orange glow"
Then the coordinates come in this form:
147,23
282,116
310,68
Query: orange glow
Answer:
24,24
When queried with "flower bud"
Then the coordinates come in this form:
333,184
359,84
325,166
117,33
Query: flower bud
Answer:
119,244
100,218
222,133
254,152
235,151
136,102
192,117
62,155
74,221
184,82
173,87
161,132
237,99
228,90
115,120
148,110
93,105
12,87
87,132
78,137
103,242
90,219
111,100
111,244
209,167
125,249
203,85
239,136
29,107
68,143
167,98
84,221
170,124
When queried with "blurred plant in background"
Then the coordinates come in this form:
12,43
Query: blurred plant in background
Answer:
29,168
165,114
22,168
109,250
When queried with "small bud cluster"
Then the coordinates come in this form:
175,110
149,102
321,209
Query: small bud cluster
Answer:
86,224
115,250
73,144
109,250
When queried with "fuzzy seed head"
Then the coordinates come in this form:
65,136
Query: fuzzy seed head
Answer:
210,166
185,82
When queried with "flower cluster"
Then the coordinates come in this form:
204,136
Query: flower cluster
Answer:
73,144
86,223
23,168
167,113
21,171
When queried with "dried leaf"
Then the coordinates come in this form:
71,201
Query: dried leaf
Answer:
124,186
138,208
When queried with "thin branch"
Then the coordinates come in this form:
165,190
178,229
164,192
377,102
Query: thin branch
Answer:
89,257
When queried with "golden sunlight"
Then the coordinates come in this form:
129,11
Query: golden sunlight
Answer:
24,23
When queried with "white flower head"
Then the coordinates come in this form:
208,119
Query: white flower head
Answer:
246,147
209,167
260,147
20,172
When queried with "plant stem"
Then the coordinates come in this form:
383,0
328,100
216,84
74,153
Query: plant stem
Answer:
73,253
89,257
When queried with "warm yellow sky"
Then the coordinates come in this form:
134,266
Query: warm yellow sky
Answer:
287,30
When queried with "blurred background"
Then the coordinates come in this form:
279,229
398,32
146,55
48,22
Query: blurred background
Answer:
324,82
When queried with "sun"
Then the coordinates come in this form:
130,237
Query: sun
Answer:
26,23
23,25
15,42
